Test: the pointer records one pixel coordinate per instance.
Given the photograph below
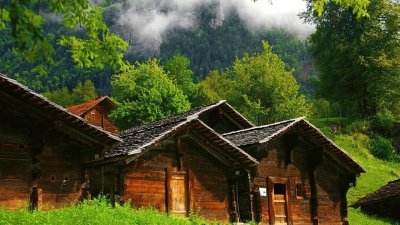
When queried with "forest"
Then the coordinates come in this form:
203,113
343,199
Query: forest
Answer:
345,75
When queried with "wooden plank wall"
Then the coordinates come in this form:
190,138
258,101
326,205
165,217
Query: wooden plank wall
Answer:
53,156
210,183
273,165
60,175
15,173
145,180
99,117
329,183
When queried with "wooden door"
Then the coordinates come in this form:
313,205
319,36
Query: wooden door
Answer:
178,195
279,201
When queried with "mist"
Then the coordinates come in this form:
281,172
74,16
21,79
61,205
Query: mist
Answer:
148,21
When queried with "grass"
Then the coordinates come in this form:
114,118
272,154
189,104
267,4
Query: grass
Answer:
356,217
97,211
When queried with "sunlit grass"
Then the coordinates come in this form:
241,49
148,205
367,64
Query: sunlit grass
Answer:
97,211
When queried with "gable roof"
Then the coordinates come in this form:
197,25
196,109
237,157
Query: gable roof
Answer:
141,138
266,133
24,96
390,190
82,108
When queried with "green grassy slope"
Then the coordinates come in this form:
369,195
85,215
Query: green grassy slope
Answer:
379,172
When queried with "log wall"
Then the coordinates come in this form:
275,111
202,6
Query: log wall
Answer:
145,181
33,154
99,116
293,167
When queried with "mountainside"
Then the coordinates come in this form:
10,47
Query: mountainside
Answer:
210,45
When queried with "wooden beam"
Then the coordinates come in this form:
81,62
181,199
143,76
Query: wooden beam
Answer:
210,149
232,120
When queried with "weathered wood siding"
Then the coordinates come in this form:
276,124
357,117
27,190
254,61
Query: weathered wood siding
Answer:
145,181
37,156
292,167
15,174
99,117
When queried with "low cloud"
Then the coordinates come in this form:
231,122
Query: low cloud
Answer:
149,20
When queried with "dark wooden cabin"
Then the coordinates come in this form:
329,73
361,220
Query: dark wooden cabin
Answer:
302,177
180,164
384,202
96,112
43,149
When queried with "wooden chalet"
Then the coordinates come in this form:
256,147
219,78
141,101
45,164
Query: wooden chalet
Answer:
384,202
43,150
180,164
302,177
210,160
96,112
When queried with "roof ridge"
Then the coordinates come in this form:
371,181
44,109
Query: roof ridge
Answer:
292,123
264,126
244,118
228,141
187,118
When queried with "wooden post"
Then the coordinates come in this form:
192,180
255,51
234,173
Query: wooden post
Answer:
343,204
234,212
314,198
251,195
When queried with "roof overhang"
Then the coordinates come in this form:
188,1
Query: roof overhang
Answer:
27,100
201,132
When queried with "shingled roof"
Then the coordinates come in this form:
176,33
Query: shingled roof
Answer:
141,138
266,133
20,94
390,190
82,108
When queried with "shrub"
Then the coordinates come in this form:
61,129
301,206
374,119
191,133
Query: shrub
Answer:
382,148
357,126
383,123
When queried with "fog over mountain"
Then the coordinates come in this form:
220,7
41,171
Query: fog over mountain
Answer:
148,21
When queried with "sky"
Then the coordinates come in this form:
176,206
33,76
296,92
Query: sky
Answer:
149,20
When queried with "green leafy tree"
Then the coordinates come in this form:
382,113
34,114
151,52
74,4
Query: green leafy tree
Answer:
177,69
96,47
60,96
84,92
358,60
260,87
81,93
144,93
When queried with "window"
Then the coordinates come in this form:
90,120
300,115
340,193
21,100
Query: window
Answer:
300,192
279,189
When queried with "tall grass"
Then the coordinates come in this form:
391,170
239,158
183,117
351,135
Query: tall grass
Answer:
97,211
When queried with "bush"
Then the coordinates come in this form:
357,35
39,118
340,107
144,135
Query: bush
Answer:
382,148
357,126
383,123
